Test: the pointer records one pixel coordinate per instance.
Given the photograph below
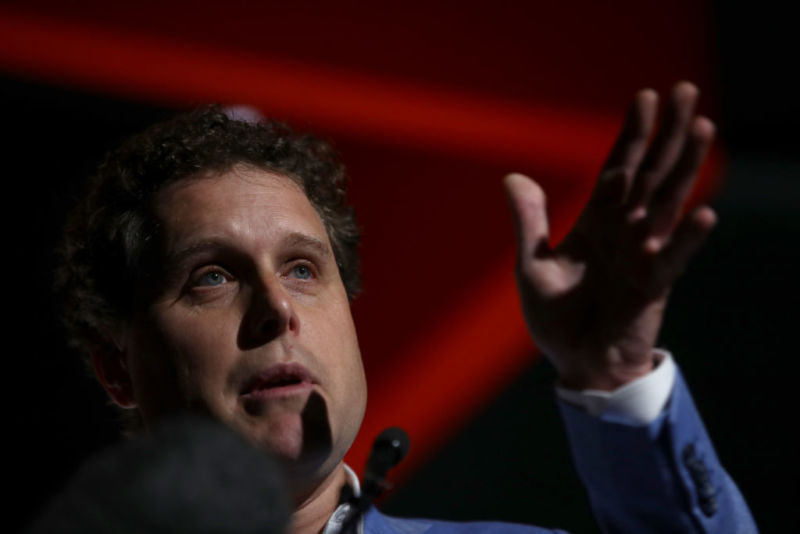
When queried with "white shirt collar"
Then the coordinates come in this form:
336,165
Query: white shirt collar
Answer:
334,524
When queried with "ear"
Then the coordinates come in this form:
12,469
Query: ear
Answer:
112,372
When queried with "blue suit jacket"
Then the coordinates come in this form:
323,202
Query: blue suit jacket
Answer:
664,477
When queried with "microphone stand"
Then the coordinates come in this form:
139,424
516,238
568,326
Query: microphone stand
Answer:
390,447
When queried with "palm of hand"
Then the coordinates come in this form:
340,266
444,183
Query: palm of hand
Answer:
594,304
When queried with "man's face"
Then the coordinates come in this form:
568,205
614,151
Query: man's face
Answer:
252,323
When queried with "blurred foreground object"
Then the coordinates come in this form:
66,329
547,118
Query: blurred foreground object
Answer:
190,475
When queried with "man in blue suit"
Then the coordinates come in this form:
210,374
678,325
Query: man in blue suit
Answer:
212,265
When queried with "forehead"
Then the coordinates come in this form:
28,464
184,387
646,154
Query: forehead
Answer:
245,203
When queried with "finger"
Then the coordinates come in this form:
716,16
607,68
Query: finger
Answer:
687,238
631,144
668,199
528,209
667,144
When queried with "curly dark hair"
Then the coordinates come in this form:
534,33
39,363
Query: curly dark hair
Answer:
110,235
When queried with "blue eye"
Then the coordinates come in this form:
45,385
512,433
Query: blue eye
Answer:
212,278
302,272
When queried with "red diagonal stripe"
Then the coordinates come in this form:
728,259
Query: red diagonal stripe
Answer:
176,73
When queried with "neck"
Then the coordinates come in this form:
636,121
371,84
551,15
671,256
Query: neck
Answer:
312,511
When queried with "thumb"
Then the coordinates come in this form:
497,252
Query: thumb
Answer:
529,211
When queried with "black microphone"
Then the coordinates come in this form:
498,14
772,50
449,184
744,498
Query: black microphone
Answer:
390,447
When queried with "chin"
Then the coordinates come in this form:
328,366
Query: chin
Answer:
302,448
288,449
308,473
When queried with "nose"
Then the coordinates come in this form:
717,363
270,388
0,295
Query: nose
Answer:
270,313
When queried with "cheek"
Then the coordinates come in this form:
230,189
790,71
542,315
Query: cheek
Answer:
202,348
335,336
354,395
177,361
154,372
339,344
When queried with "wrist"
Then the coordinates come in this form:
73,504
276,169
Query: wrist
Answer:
608,376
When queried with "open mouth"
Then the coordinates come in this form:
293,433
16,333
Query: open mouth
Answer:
278,380
281,381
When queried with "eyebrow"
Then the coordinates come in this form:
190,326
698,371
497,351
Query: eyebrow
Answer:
301,240
291,240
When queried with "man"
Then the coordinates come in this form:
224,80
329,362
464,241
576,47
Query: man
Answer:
212,264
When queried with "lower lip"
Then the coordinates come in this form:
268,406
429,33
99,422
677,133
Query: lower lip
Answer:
278,392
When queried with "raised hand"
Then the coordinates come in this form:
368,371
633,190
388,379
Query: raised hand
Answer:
594,303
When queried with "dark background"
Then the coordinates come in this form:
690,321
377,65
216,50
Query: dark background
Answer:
730,324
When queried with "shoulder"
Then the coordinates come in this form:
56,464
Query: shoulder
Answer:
377,523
